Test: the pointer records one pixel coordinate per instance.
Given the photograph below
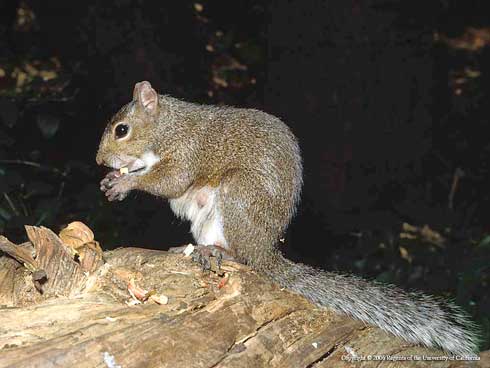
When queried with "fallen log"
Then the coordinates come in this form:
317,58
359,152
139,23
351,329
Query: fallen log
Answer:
64,303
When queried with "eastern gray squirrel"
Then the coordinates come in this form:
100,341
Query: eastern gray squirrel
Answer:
236,175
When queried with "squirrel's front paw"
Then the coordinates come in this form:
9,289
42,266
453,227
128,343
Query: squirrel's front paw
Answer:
116,186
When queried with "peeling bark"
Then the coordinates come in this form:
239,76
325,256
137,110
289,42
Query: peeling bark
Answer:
83,318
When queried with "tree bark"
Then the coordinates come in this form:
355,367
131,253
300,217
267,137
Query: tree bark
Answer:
85,317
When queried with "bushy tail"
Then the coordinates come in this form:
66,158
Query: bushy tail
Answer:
414,317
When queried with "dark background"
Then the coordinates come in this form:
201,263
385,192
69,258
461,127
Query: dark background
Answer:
386,97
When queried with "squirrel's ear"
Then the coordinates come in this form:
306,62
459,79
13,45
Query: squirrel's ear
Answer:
146,96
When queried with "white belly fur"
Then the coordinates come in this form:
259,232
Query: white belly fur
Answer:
200,207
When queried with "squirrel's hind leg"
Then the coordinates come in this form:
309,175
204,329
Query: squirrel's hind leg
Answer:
254,216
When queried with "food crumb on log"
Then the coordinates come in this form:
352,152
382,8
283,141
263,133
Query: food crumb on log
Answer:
184,317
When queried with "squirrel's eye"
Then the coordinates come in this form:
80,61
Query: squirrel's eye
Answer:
121,131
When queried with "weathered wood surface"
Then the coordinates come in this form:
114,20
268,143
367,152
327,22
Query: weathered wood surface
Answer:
243,322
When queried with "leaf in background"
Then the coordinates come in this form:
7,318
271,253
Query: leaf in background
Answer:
8,113
48,74
48,124
4,214
484,243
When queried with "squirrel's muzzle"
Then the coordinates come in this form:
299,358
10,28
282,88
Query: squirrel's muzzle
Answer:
99,159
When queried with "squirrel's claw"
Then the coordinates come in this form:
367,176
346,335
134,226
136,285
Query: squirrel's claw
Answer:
202,254
109,180
116,186
114,195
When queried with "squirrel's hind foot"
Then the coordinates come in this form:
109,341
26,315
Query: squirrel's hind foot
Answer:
202,255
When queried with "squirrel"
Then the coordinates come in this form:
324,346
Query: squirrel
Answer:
236,175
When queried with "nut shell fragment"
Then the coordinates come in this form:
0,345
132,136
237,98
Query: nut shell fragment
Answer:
188,250
76,234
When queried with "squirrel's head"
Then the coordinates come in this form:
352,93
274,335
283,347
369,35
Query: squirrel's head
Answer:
126,142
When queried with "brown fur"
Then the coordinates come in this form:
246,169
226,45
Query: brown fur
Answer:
249,162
